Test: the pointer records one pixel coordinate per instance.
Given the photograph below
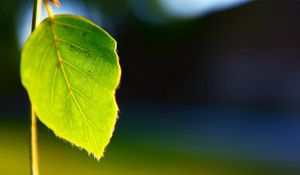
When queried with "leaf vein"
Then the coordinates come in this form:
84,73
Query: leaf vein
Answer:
41,64
72,26
55,40
86,74
81,94
75,45
70,121
52,88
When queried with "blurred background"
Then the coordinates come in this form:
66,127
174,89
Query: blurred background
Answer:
209,87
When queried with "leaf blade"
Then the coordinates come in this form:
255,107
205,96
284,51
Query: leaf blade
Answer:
77,79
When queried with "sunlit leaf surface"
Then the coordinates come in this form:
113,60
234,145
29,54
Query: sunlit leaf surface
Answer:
70,70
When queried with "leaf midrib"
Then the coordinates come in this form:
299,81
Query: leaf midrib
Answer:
56,41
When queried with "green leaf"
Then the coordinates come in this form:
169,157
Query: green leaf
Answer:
70,70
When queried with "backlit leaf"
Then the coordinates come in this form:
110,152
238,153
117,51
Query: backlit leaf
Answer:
70,70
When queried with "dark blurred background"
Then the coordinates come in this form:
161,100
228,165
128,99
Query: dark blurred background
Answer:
209,87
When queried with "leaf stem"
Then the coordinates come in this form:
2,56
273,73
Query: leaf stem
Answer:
48,8
36,14
34,144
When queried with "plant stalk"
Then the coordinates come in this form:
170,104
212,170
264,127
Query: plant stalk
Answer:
36,14
48,8
34,144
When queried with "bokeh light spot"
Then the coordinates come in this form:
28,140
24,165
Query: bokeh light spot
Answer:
194,8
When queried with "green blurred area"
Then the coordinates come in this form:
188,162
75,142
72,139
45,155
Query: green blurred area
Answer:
125,155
